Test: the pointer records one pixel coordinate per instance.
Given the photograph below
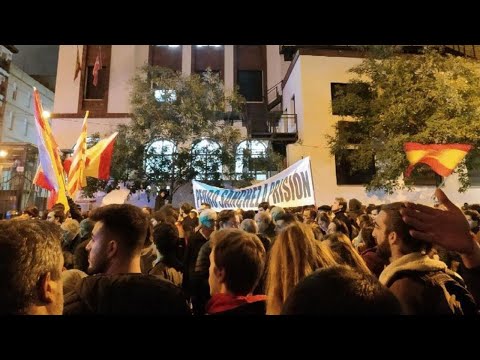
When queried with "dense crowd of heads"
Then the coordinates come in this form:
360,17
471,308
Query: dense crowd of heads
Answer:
344,258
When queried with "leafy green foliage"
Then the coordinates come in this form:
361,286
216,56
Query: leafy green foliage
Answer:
428,98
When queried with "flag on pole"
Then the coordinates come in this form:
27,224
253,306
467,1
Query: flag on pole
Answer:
50,166
97,66
98,159
76,172
442,158
78,65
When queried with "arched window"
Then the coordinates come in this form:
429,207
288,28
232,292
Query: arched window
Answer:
159,157
206,160
248,159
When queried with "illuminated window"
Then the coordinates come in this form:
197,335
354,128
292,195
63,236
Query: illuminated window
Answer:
159,158
165,95
206,160
248,159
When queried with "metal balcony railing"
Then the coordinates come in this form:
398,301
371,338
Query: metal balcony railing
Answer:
283,124
274,92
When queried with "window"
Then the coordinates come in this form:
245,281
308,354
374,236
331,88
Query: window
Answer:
206,160
208,56
345,176
25,122
165,95
339,91
250,83
14,93
95,97
473,167
160,158
95,92
248,159
168,56
343,166
474,176
28,100
10,120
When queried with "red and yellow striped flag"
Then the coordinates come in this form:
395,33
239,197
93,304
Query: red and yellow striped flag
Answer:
443,159
76,173
98,159
50,166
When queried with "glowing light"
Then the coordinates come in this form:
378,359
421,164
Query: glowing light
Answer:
3,153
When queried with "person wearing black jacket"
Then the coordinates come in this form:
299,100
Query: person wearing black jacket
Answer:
117,285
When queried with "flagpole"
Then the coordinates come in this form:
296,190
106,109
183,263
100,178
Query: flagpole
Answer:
439,183
440,180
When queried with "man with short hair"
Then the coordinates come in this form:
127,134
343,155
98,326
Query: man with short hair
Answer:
339,207
31,264
265,225
264,207
237,261
421,284
119,287
56,216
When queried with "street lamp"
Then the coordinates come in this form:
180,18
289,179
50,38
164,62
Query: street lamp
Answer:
3,153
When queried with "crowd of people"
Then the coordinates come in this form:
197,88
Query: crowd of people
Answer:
340,259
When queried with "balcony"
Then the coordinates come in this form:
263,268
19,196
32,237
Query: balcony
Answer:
280,127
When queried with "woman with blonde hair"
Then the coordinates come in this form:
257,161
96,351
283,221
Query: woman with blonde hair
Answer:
294,255
344,253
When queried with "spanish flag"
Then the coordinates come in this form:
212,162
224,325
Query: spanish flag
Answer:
98,159
441,158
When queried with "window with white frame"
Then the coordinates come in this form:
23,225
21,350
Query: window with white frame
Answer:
10,120
14,92
206,160
159,158
248,159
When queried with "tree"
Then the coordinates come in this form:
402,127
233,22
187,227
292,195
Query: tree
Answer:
170,113
429,97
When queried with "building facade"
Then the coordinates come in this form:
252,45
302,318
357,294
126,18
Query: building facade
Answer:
288,91
307,92
19,121
256,69
18,151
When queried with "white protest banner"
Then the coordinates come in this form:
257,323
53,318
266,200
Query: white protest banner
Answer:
289,188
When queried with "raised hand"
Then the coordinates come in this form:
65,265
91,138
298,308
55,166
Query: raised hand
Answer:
445,226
